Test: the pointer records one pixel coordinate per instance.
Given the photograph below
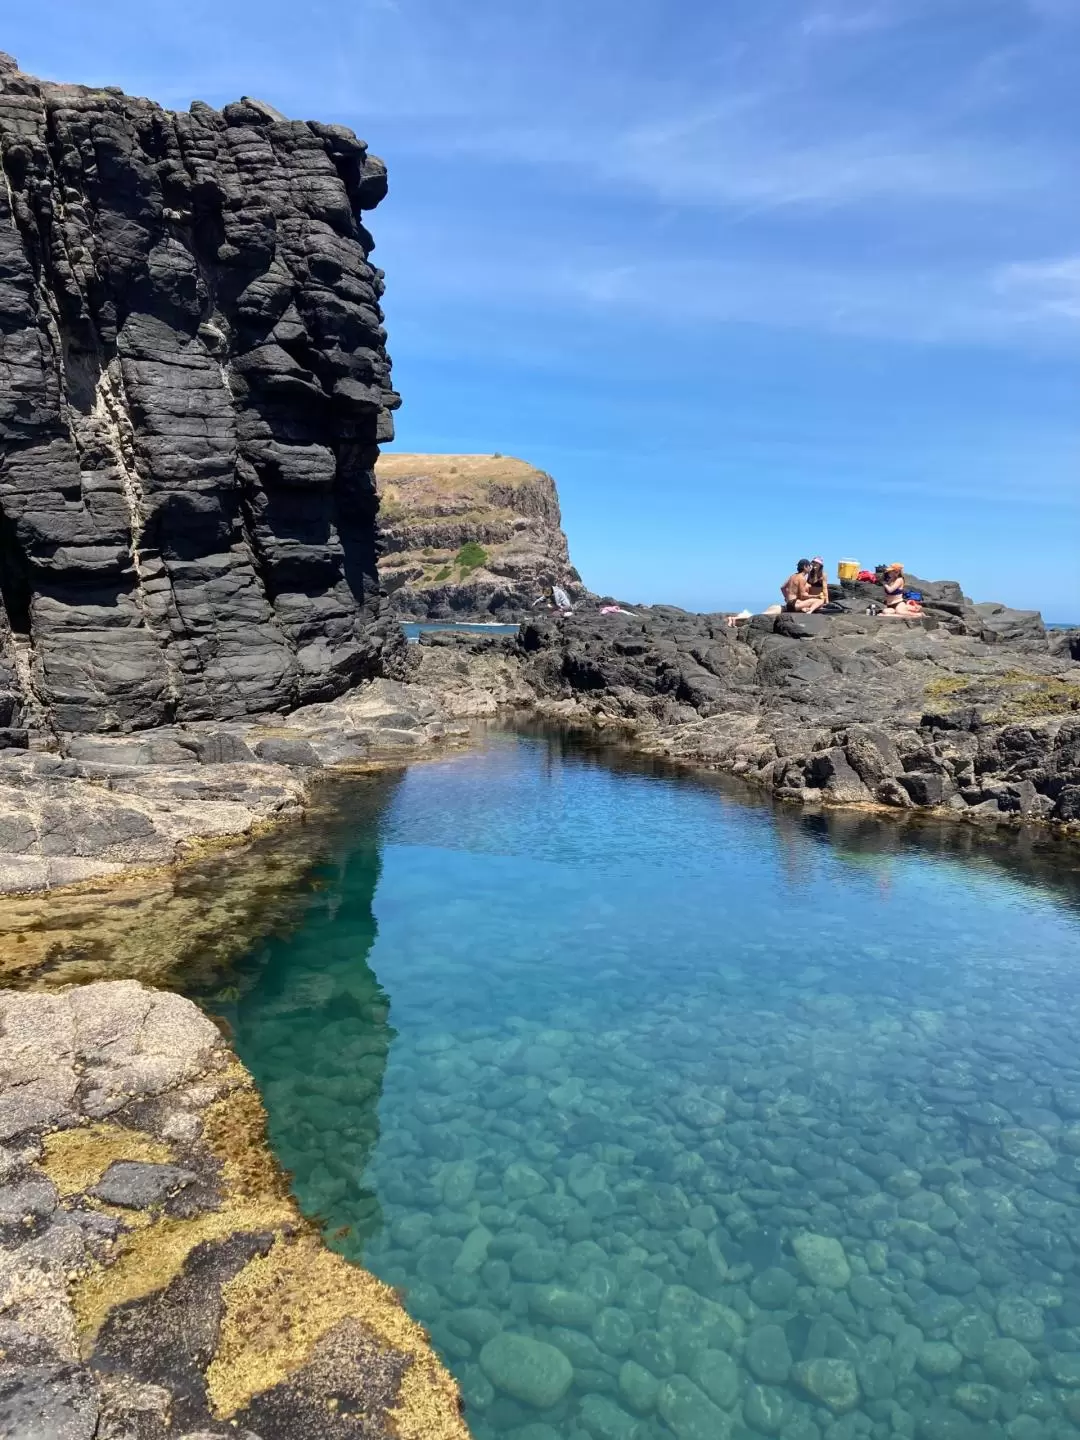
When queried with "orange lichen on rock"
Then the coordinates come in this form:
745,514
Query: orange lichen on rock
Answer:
281,1305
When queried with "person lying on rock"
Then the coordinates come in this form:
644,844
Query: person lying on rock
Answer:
893,585
796,592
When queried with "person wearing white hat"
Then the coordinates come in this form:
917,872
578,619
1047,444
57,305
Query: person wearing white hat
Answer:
817,586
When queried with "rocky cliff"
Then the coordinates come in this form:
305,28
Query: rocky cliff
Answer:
469,536
193,383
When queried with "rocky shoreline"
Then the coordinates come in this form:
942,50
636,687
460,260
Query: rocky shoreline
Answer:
75,808
156,1277
948,714
927,716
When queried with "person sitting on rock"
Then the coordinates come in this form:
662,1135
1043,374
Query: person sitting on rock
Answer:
817,586
555,598
794,587
893,585
796,593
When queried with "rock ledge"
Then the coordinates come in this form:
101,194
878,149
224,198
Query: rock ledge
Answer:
156,1277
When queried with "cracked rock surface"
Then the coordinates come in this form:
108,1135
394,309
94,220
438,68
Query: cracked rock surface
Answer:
97,806
156,1278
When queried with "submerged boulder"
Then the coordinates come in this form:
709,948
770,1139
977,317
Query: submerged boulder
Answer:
822,1260
529,1370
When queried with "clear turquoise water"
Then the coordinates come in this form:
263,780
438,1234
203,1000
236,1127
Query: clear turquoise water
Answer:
678,1116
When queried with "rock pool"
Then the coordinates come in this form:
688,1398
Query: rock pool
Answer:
673,1115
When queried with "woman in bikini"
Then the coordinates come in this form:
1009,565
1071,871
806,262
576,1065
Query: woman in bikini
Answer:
895,604
817,587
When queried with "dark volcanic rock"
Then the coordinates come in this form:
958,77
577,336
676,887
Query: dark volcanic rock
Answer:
136,1184
193,382
838,709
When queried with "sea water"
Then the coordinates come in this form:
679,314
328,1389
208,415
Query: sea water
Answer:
415,628
674,1115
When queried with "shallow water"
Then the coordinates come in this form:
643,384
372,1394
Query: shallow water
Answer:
414,628
675,1116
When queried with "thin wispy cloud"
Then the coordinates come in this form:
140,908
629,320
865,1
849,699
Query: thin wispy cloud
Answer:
885,166
830,21
731,163
999,307
1047,288
811,114
1060,12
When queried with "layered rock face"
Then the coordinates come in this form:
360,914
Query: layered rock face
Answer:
469,536
193,383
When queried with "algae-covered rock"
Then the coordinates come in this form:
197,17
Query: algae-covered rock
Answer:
1064,1368
521,1181
978,1401
718,1375
938,1357
1008,1364
1028,1149
562,1306
766,1409
613,1330
1019,1319
773,1289
972,1333
638,1387
604,1420
690,1413
198,1286
767,1355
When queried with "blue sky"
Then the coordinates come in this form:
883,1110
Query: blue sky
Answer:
752,280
